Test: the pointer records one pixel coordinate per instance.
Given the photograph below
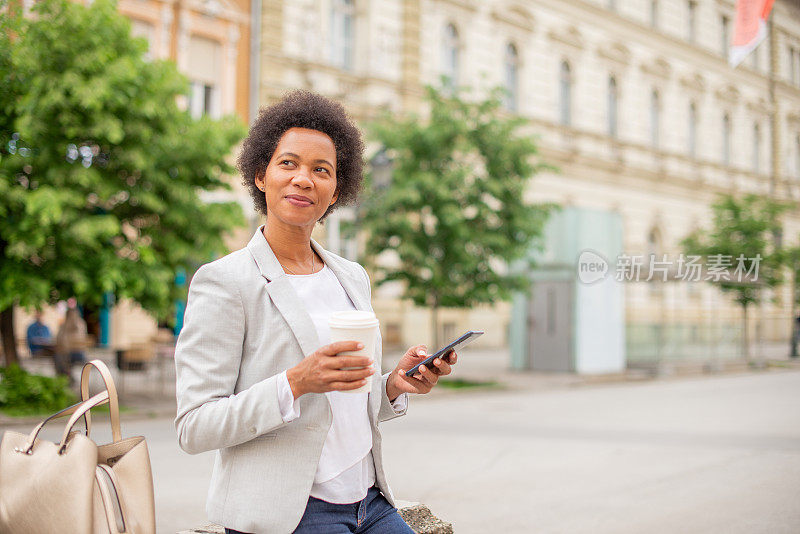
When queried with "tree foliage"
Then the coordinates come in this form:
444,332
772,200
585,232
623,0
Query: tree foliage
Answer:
454,214
748,226
101,172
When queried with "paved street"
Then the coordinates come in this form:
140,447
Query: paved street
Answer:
705,454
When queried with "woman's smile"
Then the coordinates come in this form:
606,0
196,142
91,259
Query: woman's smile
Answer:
299,200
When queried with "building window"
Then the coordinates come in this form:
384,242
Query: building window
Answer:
342,30
794,65
692,22
512,77
654,254
692,140
654,13
140,28
797,157
613,98
203,100
756,147
726,139
565,102
797,67
655,118
205,68
725,34
450,56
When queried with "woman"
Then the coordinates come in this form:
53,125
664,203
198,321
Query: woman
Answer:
257,377
71,340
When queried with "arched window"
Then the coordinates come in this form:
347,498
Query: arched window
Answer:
512,77
797,157
726,139
342,33
565,94
655,255
653,241
654,13
724,33
613,98
655,118
756,148
450,56
692,137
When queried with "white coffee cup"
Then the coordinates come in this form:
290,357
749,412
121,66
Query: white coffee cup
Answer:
355,325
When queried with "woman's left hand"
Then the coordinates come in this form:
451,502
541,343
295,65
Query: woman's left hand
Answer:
425,379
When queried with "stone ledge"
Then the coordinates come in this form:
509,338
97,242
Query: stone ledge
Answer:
418,516
422,521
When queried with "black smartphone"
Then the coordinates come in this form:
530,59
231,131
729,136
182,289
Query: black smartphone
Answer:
466,339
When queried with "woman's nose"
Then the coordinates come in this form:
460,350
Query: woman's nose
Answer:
302,177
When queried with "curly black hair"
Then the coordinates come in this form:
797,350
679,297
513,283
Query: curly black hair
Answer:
303,109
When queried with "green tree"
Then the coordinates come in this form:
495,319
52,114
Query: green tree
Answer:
743,226
101,172
453,213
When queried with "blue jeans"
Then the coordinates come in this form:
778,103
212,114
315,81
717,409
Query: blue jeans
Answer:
372,515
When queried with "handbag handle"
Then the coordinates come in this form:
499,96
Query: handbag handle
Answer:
113,400
63,413
97,400
107,481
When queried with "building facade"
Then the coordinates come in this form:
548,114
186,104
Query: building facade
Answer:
633,100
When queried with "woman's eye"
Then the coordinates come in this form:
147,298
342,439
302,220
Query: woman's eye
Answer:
323,169
285,162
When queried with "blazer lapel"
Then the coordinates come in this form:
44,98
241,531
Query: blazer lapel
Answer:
282,293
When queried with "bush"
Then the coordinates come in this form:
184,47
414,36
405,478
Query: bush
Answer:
22,393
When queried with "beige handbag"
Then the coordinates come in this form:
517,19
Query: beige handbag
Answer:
76,486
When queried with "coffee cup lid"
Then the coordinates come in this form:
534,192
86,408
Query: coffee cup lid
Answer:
353,319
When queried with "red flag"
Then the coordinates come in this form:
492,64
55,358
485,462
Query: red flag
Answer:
751,28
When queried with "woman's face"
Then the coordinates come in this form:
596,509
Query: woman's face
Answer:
300,181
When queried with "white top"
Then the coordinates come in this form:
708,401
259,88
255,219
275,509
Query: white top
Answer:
346,470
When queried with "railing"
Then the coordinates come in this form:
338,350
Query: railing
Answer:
708,339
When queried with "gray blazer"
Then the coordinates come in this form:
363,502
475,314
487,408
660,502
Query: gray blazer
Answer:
243,326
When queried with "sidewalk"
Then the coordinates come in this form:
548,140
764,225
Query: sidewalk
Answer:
492,365
150,393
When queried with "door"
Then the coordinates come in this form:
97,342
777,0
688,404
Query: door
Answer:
550,326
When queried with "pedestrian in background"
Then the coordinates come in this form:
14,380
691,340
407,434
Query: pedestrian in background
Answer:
71,340
39,338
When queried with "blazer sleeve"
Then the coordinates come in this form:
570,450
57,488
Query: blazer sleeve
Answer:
208,354
386,411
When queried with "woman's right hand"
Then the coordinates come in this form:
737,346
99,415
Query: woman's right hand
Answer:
321,371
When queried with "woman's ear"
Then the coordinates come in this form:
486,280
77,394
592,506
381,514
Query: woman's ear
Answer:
335,197
260,182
